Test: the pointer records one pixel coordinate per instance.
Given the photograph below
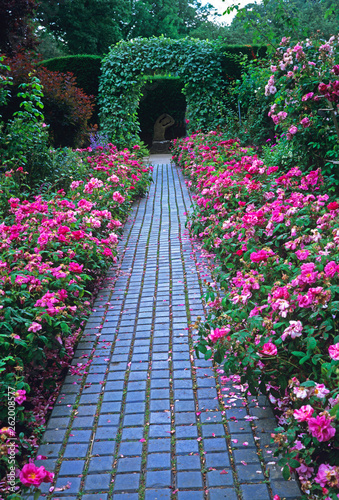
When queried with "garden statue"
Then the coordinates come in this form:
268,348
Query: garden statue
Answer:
160,144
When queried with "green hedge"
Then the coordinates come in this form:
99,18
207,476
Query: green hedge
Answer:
85,68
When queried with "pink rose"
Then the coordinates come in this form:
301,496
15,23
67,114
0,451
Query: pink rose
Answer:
333,351
331,269
302,254
326,473
269,349
219,333
74,267
261,256
305,122
304,413
321,428
20,396
118,197
35,327
293,130
31,475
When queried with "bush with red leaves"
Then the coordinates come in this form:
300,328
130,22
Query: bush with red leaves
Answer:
67,108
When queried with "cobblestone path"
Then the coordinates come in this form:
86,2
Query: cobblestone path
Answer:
146,419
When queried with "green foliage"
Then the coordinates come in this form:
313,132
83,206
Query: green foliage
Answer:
197,63
233,57
67,108
248,94
267,22
85,68
92,27
24,140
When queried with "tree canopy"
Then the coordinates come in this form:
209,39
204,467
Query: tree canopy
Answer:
277,18
16,32
92,26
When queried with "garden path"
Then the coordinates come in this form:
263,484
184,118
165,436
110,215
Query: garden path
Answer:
145,419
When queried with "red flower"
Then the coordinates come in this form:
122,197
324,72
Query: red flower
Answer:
239,252
333,205
323,88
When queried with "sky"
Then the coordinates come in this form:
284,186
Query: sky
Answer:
221,6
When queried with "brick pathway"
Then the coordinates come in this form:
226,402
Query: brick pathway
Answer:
147,420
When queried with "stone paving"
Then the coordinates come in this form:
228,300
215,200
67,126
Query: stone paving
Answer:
144,419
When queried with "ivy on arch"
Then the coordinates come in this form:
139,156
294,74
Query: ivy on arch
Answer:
196,62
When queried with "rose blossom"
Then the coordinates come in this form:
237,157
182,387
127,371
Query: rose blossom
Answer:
118,197
219,333
261,256
304,413
321,428
333,205
331,269
320,391
294,330
325,474
293,130
75,267
305,122
35,327
269,349
31,475
302,254
333,351
20,396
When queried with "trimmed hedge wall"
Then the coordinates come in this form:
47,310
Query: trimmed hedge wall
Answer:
85,68
161,95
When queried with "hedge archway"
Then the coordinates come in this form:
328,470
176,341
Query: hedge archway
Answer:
196,62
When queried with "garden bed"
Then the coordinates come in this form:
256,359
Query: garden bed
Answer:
275,234
55,249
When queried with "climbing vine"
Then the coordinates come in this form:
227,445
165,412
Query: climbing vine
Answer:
196,62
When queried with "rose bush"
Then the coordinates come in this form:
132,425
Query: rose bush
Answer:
276,235
305,86
54,248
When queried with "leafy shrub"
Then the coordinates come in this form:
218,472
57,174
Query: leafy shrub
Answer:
85,69
247,97
67,108
233,55
275,233
24,139
305,84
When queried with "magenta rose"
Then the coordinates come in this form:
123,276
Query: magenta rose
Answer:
333,351
269,349
31,475
20,396
74,267
320,427
304,413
